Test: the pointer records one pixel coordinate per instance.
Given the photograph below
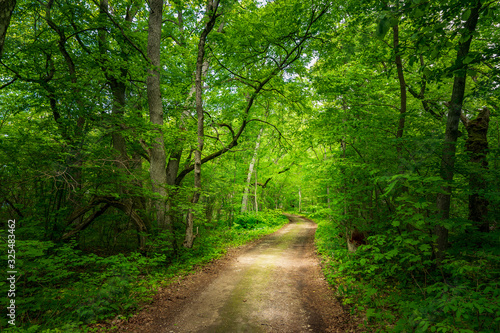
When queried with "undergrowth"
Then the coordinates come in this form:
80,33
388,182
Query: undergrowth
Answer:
396,285
63,289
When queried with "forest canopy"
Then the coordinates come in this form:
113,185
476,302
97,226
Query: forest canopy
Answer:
137,136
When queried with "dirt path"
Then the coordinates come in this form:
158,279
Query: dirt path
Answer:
275,285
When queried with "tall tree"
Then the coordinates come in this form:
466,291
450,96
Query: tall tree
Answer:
211,17
402,85
157,150
244,199
443,200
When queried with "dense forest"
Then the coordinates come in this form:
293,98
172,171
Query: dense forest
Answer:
140,139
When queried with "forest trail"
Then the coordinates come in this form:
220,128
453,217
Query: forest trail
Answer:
273,285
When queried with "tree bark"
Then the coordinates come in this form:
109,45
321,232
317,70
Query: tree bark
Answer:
328,196
6,8
402,87
211,12
255,193
118,90
84,223
443,200
157,151
300,200
244,200
477,146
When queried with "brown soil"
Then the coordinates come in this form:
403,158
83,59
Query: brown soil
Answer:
272,285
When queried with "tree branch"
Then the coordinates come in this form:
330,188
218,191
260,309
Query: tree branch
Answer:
123,32
277,130
9,83
284,63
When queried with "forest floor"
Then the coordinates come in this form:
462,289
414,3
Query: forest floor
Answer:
274,284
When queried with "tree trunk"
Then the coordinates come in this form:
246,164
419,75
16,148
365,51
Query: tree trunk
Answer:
157,151
443,200
300,200
328,196
477,146
255,194
118,89
6,8
211,12
176,154
116,81
244,200
402,88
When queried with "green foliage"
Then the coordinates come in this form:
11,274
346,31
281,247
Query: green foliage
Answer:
378,142
319,81
252,220
394,281
60,283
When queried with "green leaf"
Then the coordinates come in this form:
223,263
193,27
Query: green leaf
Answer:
370,313
390,187
468,59
383,27
466,15
393,21
427,72
471,72
424,247
465,38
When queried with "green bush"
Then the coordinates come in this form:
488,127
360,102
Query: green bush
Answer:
58,283
395,282
252,220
